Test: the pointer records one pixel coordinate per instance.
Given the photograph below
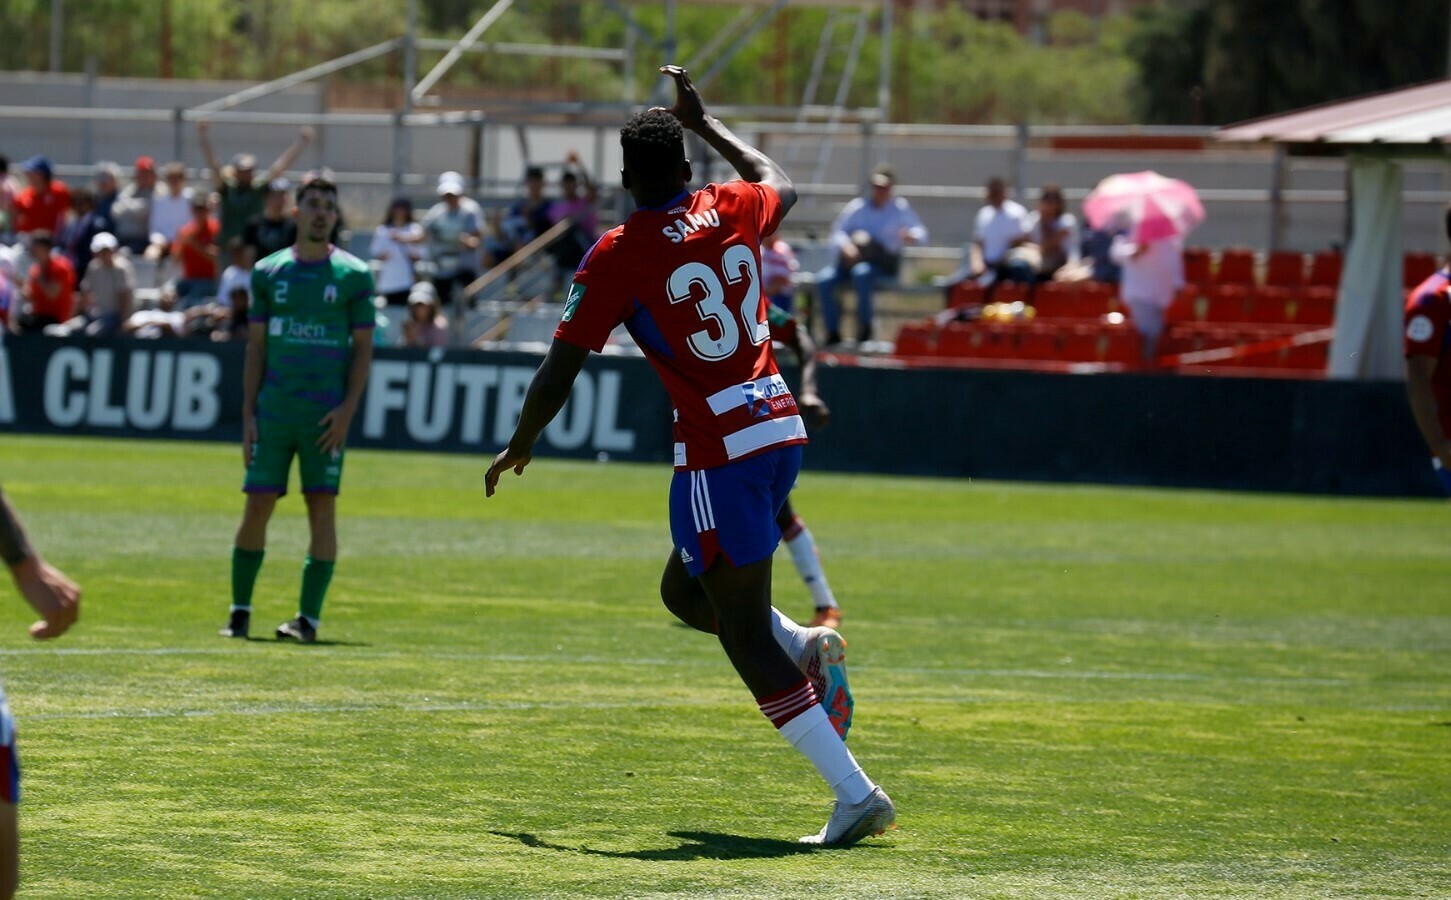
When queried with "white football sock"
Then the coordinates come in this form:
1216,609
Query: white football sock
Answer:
808,565
789,636
811,734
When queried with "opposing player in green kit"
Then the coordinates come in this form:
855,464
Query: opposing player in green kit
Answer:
309,347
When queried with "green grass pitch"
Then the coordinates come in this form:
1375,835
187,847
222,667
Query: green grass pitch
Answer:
1071,692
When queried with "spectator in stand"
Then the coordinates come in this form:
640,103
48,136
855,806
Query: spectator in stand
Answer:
107,187
272,229
242,196
454,227
107,287
1097,244
1153,271
1000,227
426,325
86,222
170,209
237,275
10,296
198,250
1054,231
132,210
8,191
527,217
49,288
778,272
42,205
578,196
168,321
1428,364
397,243
234,294
869,235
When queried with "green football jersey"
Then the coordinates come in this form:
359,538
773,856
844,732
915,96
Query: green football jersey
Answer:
310,309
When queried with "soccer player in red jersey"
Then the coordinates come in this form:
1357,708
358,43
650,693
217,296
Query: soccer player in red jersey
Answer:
1428,364
683,274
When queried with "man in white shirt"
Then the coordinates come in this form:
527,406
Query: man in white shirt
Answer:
1001,225
869,235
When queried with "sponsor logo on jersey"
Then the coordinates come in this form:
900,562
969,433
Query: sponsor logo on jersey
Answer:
762,400
298,332
1419,329
571,303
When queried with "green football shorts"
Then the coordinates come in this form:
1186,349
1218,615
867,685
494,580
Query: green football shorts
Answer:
277,443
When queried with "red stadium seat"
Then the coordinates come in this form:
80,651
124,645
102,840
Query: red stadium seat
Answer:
1236,266
1286,268
1311,308
917,339
965,293
1198,265
1416,268
1325,269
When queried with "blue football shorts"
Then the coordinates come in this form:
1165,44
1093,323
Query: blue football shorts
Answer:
730,511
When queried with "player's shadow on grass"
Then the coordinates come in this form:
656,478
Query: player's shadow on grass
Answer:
320,642
697,845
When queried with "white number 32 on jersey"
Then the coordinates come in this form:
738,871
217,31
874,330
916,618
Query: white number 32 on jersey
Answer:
737,264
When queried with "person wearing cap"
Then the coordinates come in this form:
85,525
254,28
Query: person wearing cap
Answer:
869,235
454,227
132,210
42,204
426,325
49,286
107,186
197,247
242,194
272,229
108,287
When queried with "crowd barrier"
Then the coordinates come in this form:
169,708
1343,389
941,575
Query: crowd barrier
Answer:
1330,437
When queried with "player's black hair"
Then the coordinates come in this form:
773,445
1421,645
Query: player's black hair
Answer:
316,184
1448,221
653,143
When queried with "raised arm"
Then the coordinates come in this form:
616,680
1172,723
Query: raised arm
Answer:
304,137
209,155
750,163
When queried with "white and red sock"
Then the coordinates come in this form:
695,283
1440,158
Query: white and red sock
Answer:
789,636
804,724
808,562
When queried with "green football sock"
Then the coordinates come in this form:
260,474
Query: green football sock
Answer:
316,574
245,566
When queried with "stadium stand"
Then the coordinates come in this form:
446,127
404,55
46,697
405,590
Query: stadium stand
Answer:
1238,314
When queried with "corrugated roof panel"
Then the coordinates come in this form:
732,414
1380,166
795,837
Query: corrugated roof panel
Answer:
1413,128
1319,123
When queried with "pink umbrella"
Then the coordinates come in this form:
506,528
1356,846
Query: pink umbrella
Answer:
1151,206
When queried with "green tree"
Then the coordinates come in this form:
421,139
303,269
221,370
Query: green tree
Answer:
1229,60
